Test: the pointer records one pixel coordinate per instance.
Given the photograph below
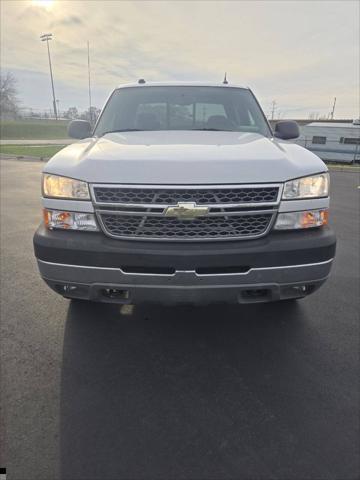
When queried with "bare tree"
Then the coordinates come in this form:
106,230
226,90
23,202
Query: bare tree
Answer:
314,115
8,96
91,115
72,113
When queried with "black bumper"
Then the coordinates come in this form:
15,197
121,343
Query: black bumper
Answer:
95,249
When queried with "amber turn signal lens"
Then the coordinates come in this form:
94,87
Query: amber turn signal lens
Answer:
55,219
46,216
325,217
315,219
65,219
307,219
302,219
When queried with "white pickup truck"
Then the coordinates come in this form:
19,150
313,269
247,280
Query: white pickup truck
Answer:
182,193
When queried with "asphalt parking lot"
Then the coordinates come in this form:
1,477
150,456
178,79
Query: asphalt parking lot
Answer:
227,392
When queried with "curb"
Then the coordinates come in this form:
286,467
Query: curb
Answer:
21,158
339,168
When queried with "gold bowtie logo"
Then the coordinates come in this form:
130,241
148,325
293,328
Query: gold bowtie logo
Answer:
186,211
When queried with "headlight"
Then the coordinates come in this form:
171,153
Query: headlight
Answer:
307,187
63,187
298,220
70,220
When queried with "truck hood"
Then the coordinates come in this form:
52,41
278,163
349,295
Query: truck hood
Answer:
184,157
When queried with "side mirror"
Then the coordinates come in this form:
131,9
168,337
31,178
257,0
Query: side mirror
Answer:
286,130
79,129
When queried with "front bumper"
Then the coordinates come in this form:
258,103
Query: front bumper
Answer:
91,266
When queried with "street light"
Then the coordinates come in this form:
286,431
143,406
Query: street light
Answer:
45,38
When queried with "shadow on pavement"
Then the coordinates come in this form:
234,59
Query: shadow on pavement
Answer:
208,392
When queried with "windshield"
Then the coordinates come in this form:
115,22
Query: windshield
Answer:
182,108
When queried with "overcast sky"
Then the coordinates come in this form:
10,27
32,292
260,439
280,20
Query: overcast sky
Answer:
300,53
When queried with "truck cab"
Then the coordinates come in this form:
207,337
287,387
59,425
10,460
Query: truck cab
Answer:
182,193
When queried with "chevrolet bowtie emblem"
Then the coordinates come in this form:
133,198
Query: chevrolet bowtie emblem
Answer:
186,211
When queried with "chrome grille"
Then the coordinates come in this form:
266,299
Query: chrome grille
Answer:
158,227
170,196
140,212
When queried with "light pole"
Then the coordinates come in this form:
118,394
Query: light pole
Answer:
45,38
273,103
88,52
333,110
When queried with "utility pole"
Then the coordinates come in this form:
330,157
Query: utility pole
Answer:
273,103
333,110
88,52
45,38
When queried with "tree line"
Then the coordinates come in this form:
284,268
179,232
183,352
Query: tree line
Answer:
10,104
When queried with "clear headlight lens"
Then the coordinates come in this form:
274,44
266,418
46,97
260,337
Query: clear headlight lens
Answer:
307,187
63,187
70,220
306,219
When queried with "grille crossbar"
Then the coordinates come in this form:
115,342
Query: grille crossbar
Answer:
200,195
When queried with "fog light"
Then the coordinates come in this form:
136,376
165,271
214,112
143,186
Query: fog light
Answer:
56,219
299,220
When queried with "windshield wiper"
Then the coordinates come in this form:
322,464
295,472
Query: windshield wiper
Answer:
123,130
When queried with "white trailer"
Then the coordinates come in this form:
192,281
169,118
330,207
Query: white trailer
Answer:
338,142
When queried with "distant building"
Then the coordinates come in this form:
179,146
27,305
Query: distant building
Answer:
333,141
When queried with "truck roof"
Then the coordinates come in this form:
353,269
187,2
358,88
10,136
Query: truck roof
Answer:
181,84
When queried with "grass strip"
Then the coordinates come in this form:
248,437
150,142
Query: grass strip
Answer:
29,129
41,151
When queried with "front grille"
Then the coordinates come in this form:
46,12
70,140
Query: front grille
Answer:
171,196
210,227
141,212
